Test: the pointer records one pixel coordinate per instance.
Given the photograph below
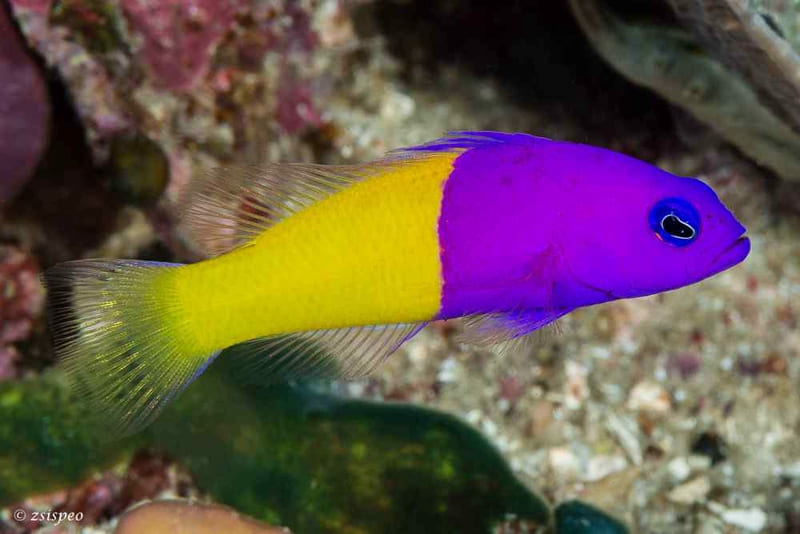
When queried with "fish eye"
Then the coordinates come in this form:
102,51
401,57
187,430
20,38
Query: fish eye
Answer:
674,226
675,221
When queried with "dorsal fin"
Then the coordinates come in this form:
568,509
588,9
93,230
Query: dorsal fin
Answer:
230,206
466,140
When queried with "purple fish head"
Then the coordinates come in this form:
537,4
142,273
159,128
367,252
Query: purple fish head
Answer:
641,230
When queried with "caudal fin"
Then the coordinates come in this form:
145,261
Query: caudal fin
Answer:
116,329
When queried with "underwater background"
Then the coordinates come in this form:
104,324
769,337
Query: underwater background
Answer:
672,413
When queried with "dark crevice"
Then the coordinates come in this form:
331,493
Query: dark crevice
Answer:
66,200
537,54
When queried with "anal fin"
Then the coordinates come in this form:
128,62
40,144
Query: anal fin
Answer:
337,353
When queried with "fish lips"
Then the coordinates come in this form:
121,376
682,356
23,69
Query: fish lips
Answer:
733,254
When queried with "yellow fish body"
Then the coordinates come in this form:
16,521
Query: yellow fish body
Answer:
331,265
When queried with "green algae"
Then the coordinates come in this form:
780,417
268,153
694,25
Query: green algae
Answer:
285,454
43,445
317,463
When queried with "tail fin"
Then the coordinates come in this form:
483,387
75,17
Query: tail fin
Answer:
116,328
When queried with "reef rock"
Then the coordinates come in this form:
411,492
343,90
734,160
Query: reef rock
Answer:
186,517
721,93
761,40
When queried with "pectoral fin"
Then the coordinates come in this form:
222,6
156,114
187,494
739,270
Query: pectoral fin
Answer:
497,328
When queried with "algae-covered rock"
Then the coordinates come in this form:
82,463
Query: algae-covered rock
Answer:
285,455
317,463
44,444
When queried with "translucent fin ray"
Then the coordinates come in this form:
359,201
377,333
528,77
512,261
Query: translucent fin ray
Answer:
112,326
338,353
497,328
230,206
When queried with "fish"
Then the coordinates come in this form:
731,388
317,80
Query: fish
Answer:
321,271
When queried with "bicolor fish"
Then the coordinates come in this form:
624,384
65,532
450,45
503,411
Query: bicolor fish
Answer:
323,271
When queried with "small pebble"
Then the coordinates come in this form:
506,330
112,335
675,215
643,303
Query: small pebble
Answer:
602,466
649,396
750,519
564,463
448,371
679,469
626,432
576,388
691,492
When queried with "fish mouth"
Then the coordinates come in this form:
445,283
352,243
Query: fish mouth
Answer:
733,254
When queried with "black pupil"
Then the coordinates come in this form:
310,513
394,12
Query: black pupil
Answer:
676,227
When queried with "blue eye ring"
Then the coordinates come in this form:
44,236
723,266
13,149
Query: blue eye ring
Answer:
675,221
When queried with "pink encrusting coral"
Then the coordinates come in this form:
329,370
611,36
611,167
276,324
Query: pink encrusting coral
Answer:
24,111
9,356
178,37
41,7
284,29
295,110
21,301
21,294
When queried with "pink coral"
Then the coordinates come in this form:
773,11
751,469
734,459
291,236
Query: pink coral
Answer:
296,109
178,37
282,28
21,301
41,7
9,356
21,294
